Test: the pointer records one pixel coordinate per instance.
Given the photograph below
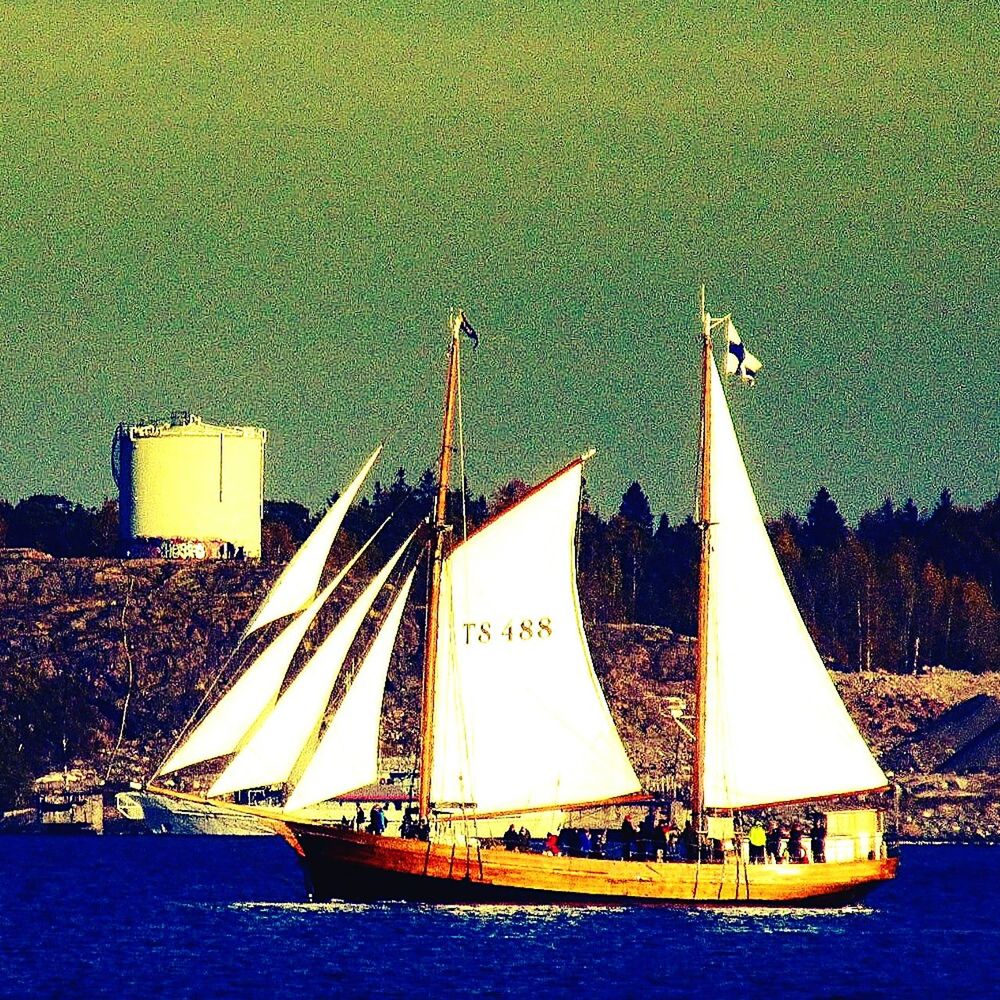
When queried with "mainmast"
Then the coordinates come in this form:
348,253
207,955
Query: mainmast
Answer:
439,529
704,523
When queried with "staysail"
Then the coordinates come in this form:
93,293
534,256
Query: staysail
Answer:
521,721
347,755
775,727
254,692
299,580
271,753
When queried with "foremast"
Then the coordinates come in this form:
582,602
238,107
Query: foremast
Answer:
439,529
703,520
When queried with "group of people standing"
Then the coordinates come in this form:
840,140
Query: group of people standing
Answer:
780,843
655,839
377,822
517,840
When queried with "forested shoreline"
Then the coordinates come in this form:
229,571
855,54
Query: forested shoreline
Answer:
103,659
902,590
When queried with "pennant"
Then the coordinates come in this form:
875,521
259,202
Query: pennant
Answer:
739,361
466,327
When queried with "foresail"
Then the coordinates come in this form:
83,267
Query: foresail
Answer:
347,755
297,584
255,692
520,718
775,727
272,751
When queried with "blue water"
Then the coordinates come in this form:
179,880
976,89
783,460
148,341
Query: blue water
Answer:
228,917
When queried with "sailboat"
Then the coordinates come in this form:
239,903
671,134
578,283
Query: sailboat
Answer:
514,722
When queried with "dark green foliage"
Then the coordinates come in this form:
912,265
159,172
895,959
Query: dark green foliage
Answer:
55,525
905,590
46,721
294,516
825,526
635,509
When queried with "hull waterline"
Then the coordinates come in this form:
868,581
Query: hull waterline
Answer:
344,864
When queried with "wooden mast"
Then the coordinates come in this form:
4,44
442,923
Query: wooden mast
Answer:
704,522
439,529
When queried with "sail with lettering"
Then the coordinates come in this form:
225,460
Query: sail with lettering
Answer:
521,722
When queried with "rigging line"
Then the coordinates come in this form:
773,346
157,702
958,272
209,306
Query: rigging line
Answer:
131,678
201,704
468,846
457,702
461,443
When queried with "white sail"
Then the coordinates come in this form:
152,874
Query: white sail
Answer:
775,727
254,692
347,755
297,584
271,753
520,719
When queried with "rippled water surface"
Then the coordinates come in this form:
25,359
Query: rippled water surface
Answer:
228,917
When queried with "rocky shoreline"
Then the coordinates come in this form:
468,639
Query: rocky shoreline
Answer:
147,637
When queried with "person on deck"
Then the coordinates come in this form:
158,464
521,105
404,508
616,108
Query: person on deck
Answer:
646,834
796,850
782,848
758,841
660,841
552,844
817,840
690,842
628,838
378,821
585,843
524,839
510,838
771,843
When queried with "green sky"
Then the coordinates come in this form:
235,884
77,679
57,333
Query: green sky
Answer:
264,217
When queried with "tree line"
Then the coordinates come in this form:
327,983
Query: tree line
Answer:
903,590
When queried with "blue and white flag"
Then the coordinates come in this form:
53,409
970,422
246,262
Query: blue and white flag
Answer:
739,361
466,327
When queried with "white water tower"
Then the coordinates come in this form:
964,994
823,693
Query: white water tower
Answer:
188,489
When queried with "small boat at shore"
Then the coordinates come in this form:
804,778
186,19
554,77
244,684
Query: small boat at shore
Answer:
514,722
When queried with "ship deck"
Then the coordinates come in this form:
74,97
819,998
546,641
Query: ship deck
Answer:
346,864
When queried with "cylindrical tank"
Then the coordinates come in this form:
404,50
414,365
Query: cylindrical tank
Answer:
188,489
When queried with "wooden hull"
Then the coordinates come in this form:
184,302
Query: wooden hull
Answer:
343,864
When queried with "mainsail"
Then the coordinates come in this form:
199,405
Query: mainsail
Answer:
254,693
299,580
775,727
521,721
271,753
347,755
